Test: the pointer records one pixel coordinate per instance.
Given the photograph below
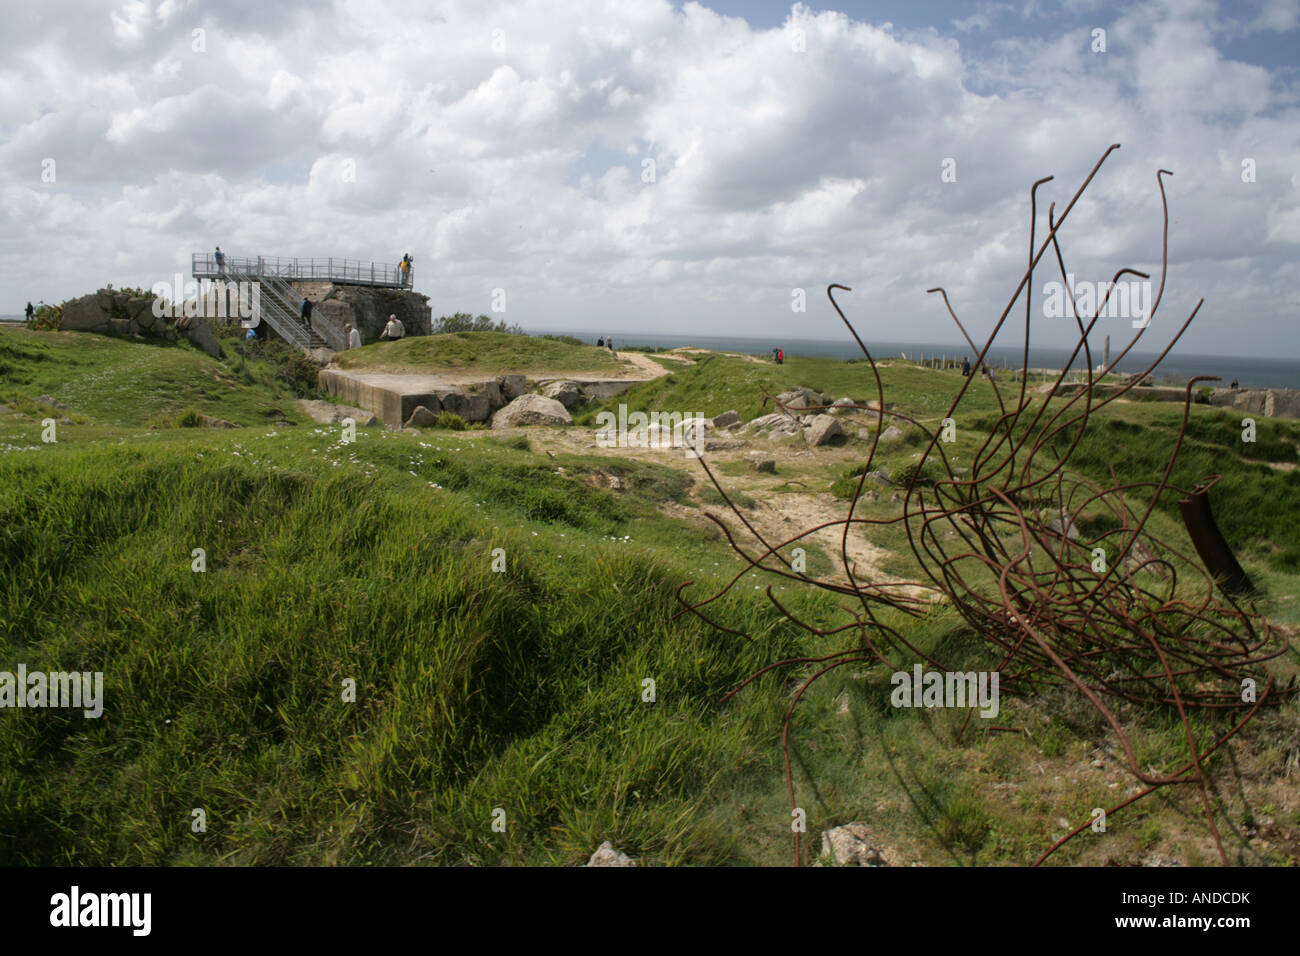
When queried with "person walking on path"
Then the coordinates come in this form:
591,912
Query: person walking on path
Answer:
780,356
965,367
31,314
609,340
306,311
393,331
221,261
354,336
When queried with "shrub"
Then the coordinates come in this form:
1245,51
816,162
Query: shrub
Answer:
450,420
464,322
189,419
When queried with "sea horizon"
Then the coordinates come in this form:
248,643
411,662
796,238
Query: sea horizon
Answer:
1248,371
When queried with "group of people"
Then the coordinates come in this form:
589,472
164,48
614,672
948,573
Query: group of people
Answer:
778,356
393,331
605,342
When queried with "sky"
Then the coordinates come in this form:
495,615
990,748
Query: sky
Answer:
649,166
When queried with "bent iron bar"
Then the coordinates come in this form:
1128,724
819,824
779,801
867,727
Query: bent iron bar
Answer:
1003,547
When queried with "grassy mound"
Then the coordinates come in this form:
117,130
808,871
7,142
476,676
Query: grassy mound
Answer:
491,352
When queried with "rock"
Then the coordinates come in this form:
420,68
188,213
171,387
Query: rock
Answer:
891,433
606,855
1063,521
421,418
1282,403
471,406
797,398
852,845
121,326
321,356
493,392
842,406
726,418
512,386
822,431
765,466
568,394
210,422
51,401
879,476
83,314
140,308
532,410
65,420
778,423
870,495
724,444
202,336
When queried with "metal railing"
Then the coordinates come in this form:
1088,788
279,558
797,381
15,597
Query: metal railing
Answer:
276,307
353,271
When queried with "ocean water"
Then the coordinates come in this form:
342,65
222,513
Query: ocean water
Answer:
1176,368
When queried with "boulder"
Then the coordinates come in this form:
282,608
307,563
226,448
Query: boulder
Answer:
723,444
1282,403
471,406
852,845
140,308
512,386
765,465
726,419
778,423
1062,521
797,398
210,422
891,434
606,855
568,394
84,315
421,418
822,431
493,392
532,410
842,406
202,336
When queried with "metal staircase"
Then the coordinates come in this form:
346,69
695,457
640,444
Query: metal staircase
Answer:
279,301
278,308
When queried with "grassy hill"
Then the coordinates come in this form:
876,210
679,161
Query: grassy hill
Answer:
521,689
492,352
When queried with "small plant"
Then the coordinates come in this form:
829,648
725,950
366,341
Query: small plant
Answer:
450,420
189,419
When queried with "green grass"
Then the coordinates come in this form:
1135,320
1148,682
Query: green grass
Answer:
477,689
716,383
494,352
117,382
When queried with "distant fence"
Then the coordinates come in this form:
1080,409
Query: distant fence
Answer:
355,271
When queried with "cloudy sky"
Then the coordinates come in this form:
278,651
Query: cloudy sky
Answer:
640,165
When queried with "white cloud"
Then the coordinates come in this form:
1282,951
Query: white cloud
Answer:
518,163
